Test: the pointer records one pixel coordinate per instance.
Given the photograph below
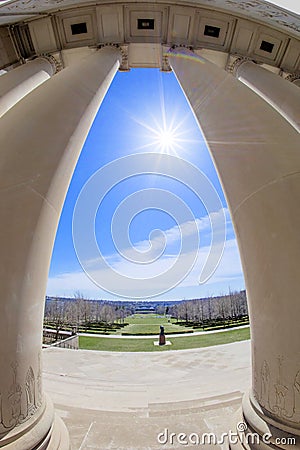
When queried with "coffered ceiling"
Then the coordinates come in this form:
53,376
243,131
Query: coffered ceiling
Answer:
219,28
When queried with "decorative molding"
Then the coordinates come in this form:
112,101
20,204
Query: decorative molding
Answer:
189,47
124,65
232,66
267,11
57,65
252,9
165,66
293,77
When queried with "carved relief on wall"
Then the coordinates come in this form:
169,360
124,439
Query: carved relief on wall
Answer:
296,388
10,407
267,11
15,397
265,382
39,395
21,401
30,392
279,393
255,381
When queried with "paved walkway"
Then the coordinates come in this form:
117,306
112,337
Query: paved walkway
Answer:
146,336
112,400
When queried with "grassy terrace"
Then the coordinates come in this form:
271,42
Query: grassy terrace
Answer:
149,324
178,343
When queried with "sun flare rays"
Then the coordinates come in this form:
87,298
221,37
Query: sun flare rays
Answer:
165,134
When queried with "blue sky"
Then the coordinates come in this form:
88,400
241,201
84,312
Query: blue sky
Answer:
144,112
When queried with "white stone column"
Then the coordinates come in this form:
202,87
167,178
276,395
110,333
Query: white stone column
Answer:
256,152
18,82
283,95
40,140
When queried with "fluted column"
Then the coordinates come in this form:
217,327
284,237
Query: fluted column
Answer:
283,95
256,152
18,82
40,140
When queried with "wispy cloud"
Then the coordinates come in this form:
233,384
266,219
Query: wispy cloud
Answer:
228,272
229,269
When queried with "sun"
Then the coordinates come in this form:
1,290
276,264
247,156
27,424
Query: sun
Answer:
165,130
166,136
166,140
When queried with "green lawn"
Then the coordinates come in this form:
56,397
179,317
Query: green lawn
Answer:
149,324
153,319
178,343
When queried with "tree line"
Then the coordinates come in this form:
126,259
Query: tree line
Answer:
80,313
232,306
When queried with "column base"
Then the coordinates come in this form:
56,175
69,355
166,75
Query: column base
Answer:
256,431
59,439
44,431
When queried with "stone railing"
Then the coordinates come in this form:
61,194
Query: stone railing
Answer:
71,342
62,339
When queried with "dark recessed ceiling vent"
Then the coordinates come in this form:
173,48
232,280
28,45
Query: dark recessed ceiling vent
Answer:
23,38
145,24
266,46
79,28
211,31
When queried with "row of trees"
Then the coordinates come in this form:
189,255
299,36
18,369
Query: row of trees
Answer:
232,306
82,313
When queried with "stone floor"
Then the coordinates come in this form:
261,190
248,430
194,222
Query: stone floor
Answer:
112,400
